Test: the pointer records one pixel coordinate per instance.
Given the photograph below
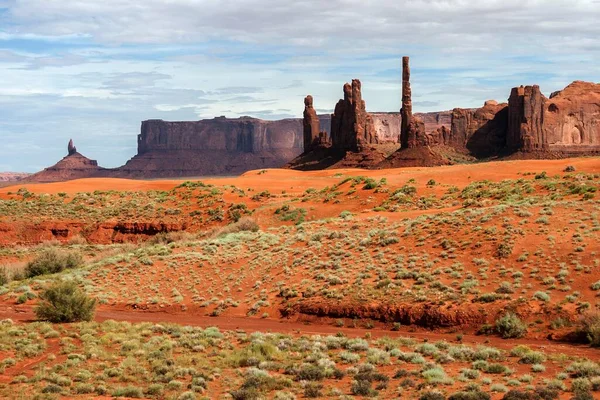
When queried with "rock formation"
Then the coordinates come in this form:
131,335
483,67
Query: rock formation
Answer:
219,146
385,124
310,123
412,133
73,166
530,125
351,126
406,109
12,176
71,148
572,119
313,136
526,119
481,131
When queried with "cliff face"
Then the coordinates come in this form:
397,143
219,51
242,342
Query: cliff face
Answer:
526,119
12,176
572,119
481,131
219,146
244,135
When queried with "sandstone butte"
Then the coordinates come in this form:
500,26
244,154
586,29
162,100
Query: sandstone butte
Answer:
529,125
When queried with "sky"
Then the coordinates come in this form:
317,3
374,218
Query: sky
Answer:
92,70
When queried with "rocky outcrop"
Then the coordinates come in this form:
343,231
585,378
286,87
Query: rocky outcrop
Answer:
571,119
567,123
71,149
351,126
74,166
313,136
480,131
310,124
526,119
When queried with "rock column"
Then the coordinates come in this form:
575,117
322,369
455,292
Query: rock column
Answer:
406,110
311,124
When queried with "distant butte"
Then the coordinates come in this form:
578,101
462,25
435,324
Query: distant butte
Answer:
529,125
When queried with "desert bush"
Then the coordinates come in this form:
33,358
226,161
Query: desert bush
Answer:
470,395
312,390
52,261
4,278
128,391
432,395
583,396
589,329
65,302
510,326
361,387
540,393
532,357
584,369
244,224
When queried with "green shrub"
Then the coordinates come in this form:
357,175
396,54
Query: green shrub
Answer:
52,261
470,395
312,390
510,326
361,387
532,357
4,278
65,302
432,395
129,391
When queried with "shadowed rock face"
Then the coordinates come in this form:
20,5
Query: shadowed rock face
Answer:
481,131
526,119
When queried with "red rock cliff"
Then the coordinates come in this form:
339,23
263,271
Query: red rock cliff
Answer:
572,119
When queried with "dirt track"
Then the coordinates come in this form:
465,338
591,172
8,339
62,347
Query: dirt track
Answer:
23,313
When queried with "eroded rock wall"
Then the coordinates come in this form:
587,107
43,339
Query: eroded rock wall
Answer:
572,119
247,135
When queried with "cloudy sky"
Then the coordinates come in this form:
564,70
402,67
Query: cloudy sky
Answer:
91,70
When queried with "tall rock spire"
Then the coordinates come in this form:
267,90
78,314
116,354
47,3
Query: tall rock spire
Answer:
71,148
406,110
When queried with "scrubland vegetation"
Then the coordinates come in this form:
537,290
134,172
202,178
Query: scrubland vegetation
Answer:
508,260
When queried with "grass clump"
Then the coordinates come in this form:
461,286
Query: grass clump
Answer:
65,302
